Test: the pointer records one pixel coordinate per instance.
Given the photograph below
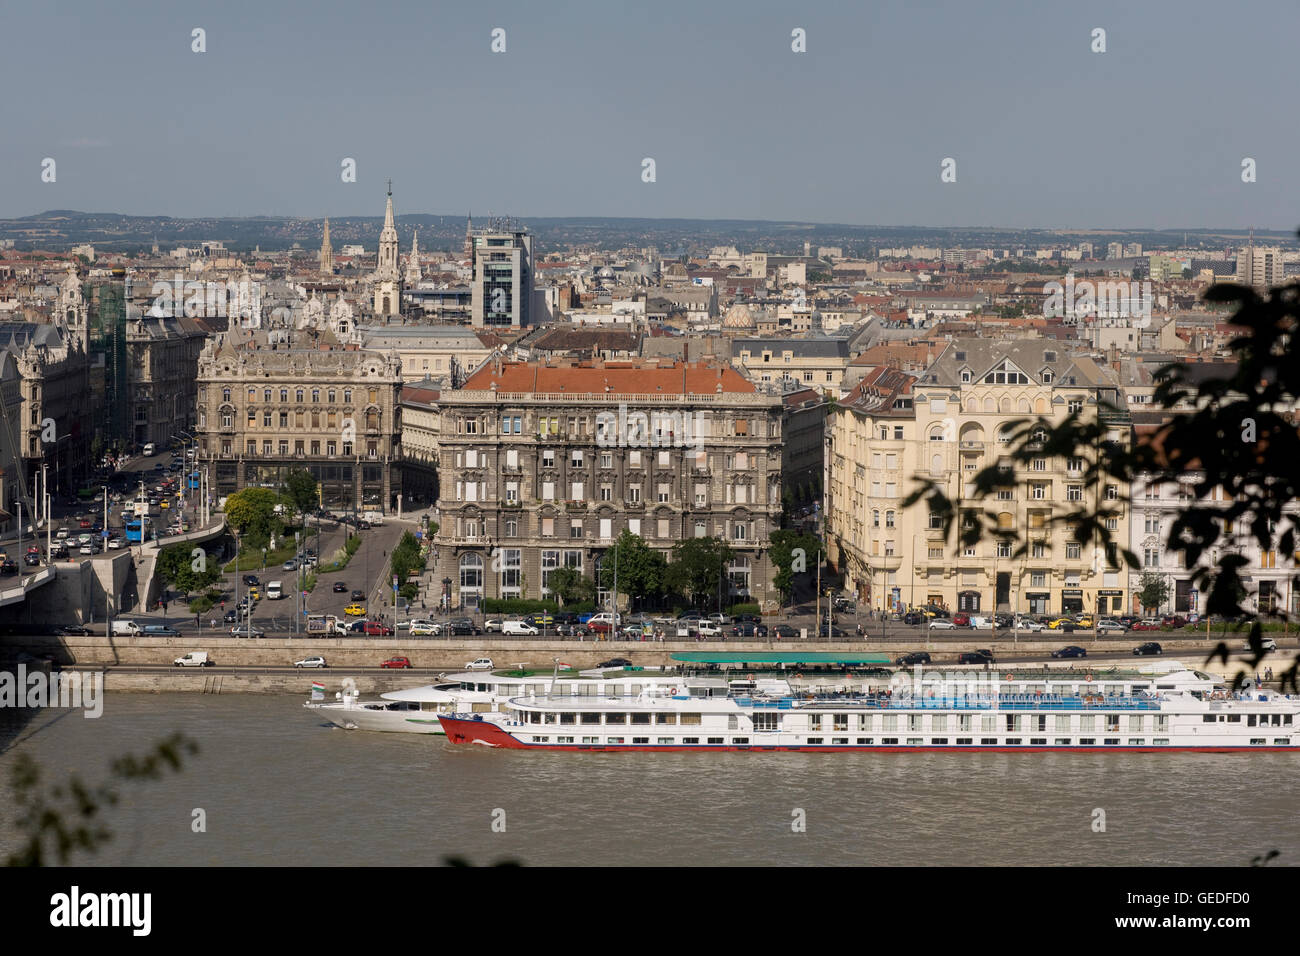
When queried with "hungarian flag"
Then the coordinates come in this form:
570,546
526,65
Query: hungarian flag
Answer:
317,690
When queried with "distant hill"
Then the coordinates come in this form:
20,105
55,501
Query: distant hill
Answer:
59,229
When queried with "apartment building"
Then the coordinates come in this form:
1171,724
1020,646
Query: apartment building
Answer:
271,401
954,423
545,465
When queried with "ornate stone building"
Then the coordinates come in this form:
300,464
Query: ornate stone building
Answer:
271,401
542,466
53,363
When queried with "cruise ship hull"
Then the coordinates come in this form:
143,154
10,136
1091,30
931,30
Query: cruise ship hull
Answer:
486,733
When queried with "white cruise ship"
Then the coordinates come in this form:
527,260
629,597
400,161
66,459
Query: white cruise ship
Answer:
1177,709
416,710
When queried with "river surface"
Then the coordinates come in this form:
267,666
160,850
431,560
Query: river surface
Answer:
277,786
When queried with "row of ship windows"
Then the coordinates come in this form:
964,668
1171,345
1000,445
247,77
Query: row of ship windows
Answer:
908,742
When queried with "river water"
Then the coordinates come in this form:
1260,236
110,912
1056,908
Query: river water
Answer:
278,786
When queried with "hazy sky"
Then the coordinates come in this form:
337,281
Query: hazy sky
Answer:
1045,132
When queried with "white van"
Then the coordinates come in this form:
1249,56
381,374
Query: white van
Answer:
148,450
193,659
128,628
374,517
274,590
518,627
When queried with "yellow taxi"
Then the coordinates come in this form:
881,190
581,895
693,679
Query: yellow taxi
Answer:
164,504
1060,622
355,610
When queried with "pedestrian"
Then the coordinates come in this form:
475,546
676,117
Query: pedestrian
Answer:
198,620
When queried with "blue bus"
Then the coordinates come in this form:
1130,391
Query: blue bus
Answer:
194,481
136,530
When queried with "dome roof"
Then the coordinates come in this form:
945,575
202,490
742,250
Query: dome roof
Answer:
738,317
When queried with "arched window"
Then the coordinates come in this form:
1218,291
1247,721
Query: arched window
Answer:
347,396
266,395
225,394
1040,406
315,395
284,394
875,519
471,572
990,405
936,465
1023,405
936,433
331,396
299,396
972,405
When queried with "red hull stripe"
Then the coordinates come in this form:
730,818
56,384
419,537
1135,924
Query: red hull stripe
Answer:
488,734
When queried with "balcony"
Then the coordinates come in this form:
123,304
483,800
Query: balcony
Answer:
971,445
634,505
512,505
575,506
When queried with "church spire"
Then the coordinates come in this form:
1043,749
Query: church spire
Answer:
326,252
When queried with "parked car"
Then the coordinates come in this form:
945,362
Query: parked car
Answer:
480,664
1143,650
1072,650
72,630
1173,620
518,628
749,629
377,629
1107,625
976,657
1062,624
493,625
709,629
615,662
961,619
1267,643
1146,624
397,662
940,624
246,630
456,629
917,657
783,632
464,622
424,629
358,595
355,610
829,630
317,661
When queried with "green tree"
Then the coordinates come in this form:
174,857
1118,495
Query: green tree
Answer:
1228,441
406,557
300,490
1153,591
640,567
793,552
697,568
571,586
251,512
176,568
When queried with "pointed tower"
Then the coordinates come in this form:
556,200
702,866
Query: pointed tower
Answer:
326,252
387,278
413,275
469,239
387,268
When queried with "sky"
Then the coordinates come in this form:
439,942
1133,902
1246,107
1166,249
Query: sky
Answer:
1043,131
